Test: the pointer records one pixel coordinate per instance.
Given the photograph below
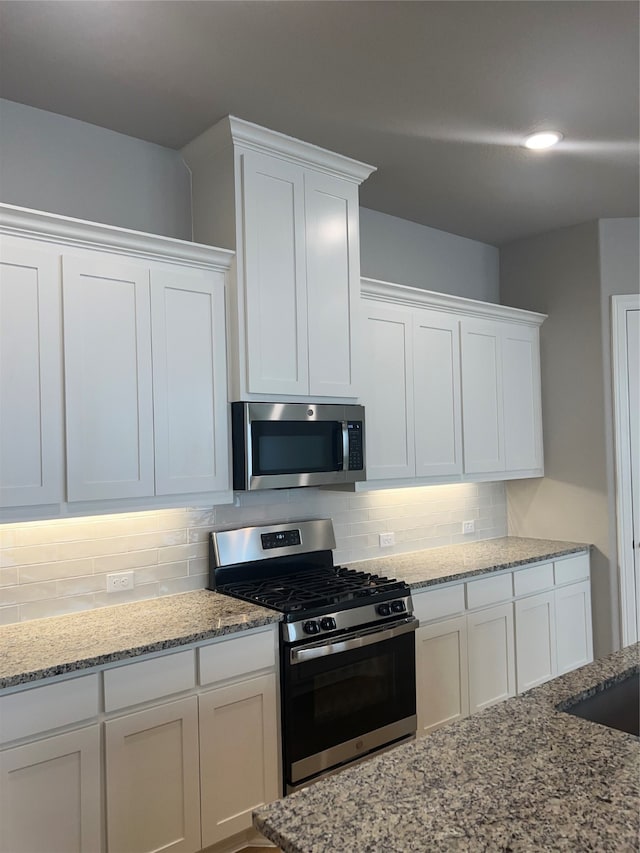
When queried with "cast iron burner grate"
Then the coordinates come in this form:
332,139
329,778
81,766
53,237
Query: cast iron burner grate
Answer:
313,588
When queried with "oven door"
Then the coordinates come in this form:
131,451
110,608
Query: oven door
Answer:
345,697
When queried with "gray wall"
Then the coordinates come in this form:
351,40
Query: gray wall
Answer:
619,274
393,249
61,165
569,274
54,163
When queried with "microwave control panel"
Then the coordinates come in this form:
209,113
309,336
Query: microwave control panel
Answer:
356,459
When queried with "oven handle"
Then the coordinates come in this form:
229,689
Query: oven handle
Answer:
354,641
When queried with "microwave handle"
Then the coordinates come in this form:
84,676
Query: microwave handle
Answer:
345,446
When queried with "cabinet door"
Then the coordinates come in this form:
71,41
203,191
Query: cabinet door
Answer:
574,631
535,626
31,451
153,795
441,674
491,656
436,383
275,302
333,283
189,381
388,393
521,394
238,755
51,798
482,408
107,366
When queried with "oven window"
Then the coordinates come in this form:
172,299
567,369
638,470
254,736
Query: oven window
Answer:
295,447
335,698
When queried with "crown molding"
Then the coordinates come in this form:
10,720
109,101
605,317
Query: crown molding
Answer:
237,131
78,233
416,297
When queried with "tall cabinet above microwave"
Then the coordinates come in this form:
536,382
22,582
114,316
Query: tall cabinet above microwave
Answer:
290,211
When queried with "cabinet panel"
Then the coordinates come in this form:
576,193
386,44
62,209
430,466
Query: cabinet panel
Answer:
146,680
535,626
571,569
189,381
436,379
238,754
31,451
275,304
333,283
491,656
389,397
50,799
51,706
153,798
441,674
107,362
574,631
521,390
237,656
482,409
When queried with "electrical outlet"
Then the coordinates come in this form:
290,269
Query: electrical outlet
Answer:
387,540
468,526
120,582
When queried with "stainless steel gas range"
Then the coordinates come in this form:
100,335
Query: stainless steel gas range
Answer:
347,649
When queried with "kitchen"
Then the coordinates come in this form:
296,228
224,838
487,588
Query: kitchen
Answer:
421,518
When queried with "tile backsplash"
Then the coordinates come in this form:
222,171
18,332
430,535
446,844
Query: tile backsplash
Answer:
55,567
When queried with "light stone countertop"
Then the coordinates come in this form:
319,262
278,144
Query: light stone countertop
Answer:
519,776
457,562
42,648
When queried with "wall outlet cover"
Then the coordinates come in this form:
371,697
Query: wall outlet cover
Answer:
120,582
468,526
387,540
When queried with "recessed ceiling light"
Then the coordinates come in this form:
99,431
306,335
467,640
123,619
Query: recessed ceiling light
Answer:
540,141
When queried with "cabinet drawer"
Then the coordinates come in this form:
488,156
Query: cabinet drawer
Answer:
231,658
438,603
572,569
534,579
149,679
43,708
489,590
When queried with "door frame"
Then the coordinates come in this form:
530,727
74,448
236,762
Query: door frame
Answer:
620,305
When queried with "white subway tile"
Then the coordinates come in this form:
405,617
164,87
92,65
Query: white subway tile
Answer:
9,614
125,562
8,577
55,571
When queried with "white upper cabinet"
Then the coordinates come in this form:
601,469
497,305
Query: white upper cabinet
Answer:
451,388
189,381
140,340
31,461
107,358
502,420
387,393
290,210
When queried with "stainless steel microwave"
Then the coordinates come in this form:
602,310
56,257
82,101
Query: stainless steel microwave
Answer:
286,445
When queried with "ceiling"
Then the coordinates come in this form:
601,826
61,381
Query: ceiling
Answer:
437,95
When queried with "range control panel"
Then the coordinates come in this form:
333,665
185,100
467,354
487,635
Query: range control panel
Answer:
281,539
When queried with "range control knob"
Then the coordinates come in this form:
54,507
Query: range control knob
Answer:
398,606
384,609
311,627
328,623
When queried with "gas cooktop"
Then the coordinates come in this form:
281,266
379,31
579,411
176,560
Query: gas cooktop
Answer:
312,589
289,567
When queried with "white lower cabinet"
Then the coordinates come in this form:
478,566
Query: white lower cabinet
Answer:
491,656
535,627
441,676
238,755
519,629
50,794
152,783
573,621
